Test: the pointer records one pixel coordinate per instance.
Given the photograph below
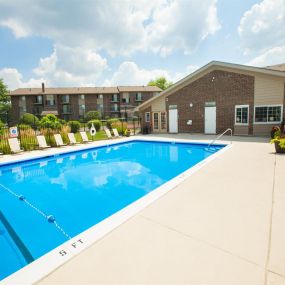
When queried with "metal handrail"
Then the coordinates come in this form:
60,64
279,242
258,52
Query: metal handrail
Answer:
219,136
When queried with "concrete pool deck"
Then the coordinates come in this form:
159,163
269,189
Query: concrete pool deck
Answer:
223,225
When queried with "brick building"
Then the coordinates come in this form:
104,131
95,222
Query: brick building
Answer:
249,100
73,103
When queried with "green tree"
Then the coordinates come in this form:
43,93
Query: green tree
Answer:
96,123
74,126
92,115
50,122
29,119
5,103
160,82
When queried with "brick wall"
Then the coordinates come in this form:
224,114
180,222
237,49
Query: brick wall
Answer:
15,109
90,102
227,89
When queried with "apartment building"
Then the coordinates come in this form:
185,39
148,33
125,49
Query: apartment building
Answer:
249,100
72,103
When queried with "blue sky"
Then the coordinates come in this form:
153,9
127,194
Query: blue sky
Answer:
124,42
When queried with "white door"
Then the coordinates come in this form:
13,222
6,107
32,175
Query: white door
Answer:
173,121
210,120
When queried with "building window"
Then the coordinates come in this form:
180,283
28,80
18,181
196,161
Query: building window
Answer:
66,109
155,121
125,98
115,98
38,110
100,96
81,105
22,105
39,99
147,117
81,110
268,114
115,108
65,99
139,97
100,108
163,120
50,100
241,114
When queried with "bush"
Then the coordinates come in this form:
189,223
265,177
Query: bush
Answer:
24,127
29,119
97,124
62,122
111,121
74,126
120,126
92,115
50,122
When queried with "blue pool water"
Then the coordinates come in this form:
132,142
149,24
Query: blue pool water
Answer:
80,189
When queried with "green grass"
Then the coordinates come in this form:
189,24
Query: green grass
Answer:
99,136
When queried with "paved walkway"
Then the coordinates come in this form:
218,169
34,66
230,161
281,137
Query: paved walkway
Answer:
223,225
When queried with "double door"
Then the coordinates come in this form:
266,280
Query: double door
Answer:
159,122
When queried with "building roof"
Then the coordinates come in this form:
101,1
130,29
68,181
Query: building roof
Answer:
139,89
213,65
84,90
279,67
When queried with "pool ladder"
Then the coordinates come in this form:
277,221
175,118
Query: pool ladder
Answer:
219,136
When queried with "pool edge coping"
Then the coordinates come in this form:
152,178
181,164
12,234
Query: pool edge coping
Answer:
46,264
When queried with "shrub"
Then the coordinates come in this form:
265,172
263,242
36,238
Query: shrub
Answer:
111,121
29,119
62,122
97,124
120,126
24,127
50,122
92,115
74,126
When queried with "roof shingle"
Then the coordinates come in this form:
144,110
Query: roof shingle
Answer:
84,90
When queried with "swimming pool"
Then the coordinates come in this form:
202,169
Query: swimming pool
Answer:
47,201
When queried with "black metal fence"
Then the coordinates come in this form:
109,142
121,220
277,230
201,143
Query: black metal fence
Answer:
28,141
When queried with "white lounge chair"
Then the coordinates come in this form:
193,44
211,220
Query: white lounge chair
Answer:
108,133
84,137
116,134
72,139
14,145
58,140
42,142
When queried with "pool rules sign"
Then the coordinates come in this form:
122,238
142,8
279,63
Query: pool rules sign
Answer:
13,132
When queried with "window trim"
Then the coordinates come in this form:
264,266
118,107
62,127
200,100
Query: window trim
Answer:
242,106
268,123
145,114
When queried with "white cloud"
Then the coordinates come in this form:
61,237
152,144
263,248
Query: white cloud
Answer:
18,30
129,73
262,27
168,31
270,57
119,27
64,67
71,66
14,79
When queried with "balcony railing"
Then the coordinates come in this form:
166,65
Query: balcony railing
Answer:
38,103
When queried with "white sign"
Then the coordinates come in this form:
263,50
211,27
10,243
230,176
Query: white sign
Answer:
13,132
92,130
